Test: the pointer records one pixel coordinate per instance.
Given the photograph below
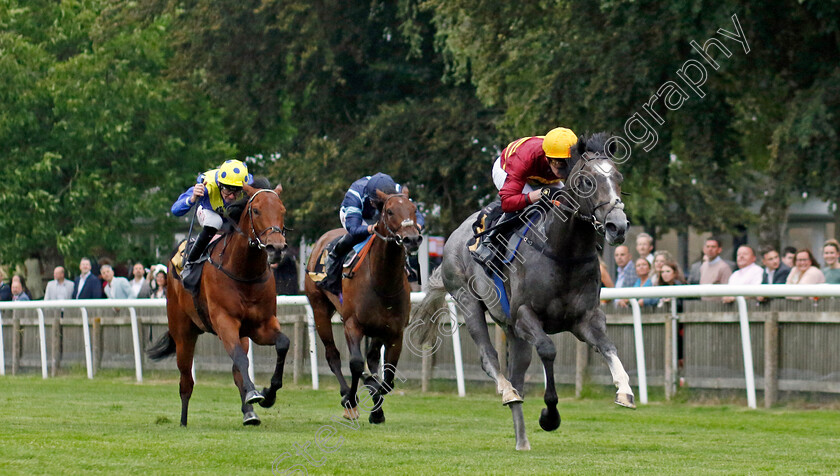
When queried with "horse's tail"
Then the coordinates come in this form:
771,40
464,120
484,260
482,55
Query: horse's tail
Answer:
424,316
164,347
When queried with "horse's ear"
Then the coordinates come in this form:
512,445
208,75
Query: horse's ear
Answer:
380,199
581,145
249,190
261,182
278,189
404,191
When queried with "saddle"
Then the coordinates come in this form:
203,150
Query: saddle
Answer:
180,256
351,262
492,228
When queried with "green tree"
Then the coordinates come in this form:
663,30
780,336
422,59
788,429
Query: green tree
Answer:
98,142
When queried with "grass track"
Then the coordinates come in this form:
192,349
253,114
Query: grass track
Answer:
111,425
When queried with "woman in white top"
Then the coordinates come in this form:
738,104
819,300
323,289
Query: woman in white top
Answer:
805,270
159,286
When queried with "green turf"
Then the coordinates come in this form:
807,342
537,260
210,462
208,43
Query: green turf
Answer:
111,425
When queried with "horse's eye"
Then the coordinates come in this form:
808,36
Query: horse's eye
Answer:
390,212
256,212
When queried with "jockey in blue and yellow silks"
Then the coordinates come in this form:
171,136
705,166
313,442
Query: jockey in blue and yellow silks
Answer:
214,191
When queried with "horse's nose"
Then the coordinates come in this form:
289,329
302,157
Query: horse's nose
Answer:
275,251
412,243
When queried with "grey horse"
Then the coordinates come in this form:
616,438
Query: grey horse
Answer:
553,283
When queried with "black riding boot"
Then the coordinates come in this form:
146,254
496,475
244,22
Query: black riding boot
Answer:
332,282
196,251
485,251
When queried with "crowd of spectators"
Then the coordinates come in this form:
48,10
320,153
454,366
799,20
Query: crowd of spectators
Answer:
103,280
659,268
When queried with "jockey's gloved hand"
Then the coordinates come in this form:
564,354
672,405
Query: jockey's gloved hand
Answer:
550,194
546,193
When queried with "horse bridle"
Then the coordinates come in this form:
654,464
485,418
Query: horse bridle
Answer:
590,218
256,242
392,235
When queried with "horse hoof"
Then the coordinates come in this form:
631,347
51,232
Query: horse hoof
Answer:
253,397
270,398
625,400
549,421
250,419
523,446
351,413
511,396
377,417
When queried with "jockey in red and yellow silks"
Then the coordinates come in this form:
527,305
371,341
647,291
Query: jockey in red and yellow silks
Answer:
530,163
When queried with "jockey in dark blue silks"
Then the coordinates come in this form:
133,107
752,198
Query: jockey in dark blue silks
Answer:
359,214
214,191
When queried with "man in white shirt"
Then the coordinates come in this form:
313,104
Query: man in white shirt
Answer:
58,288
139,286
748,272
115,287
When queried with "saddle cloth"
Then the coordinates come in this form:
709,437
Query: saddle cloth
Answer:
353,259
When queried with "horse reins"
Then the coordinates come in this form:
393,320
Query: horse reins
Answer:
391,237
254,242
590,217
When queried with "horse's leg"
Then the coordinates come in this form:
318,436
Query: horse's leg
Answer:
270,334
248,415
477,327
184,353
322,311
373,356
520,359
379,390
228,330
529,328
593,330
354,335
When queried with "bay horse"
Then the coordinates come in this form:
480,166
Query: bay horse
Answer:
236,301
553,285
374,303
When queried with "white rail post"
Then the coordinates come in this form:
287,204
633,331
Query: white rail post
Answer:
423,259
2,350
640,350
313,347
135,339
251,363
382,363
749,371
42,338
86,334
456,349
302,262
674,338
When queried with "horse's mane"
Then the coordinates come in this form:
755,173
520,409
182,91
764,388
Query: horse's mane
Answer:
592,143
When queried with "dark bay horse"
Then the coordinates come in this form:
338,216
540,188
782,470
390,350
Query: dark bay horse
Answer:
553,286
375,302
236,302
